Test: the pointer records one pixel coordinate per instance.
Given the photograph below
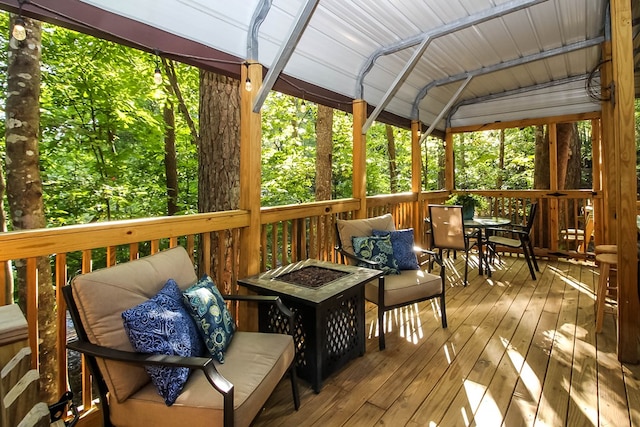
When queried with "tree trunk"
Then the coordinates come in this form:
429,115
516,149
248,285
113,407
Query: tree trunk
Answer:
568,138
541,174
170,163
393,170
219,161
441,166
324,150
542,179
24,188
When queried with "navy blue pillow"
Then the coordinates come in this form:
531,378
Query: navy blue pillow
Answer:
402,243
378,249
162,325
210,312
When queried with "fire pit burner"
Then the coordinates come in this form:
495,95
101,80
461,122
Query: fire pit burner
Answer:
312,276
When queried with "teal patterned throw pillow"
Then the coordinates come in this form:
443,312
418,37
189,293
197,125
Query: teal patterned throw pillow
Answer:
378,249
206,305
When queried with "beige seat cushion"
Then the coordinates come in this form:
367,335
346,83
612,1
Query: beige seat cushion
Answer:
348,228
102,296
409,285
253,361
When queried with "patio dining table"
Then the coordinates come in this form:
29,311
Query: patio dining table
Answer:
482,223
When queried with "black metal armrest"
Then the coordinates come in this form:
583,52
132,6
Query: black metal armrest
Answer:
220,383
371,264
270,299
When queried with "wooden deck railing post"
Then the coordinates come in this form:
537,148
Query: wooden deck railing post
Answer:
626,182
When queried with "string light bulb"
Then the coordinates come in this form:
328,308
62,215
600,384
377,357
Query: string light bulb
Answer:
247,83
157,75
19,32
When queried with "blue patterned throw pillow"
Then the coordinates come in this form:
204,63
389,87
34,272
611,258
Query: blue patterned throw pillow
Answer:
208,309
402,243
378,249
162,325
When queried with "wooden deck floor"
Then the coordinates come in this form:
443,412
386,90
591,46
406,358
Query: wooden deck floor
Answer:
517,352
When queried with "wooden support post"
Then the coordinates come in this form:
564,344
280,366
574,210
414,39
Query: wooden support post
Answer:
554,211
416,179
250,182
626,185
360,156
449,162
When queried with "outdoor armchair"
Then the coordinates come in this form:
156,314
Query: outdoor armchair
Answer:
214,394
392,290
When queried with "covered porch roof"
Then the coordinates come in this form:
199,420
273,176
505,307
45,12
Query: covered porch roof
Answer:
443,62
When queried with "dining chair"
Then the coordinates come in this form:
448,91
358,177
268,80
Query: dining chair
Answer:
448,232
519,238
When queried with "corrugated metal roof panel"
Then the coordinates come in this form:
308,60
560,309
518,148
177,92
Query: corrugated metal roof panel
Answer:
343,35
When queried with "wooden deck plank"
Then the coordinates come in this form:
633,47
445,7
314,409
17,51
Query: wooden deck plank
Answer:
501,389
475,385
473,336
612,409
524,405
431,370
554,403
509,356
583,403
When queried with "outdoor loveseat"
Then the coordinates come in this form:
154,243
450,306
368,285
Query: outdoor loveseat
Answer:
229,393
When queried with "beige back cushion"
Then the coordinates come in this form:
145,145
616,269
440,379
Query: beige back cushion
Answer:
348,228
102,296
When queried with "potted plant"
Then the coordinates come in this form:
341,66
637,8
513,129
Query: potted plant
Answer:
468,202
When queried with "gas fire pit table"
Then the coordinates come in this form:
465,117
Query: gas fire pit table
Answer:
327,300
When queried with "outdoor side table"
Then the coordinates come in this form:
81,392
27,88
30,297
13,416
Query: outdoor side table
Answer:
328,318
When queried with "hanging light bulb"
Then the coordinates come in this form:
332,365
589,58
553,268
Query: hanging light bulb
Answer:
157,76
19,32
247,83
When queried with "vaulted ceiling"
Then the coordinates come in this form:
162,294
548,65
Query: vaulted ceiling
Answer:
443,62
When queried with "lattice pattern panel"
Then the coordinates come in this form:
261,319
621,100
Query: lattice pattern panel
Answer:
342,329
279,324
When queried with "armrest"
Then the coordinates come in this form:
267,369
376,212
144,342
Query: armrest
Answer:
204,364
271,299
371,264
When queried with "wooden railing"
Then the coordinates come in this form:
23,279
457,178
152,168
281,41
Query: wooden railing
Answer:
289,234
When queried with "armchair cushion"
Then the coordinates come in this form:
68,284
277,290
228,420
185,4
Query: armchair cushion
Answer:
161,325
362,227
210,312
402,242
378,249
409,285
101,298
255,361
